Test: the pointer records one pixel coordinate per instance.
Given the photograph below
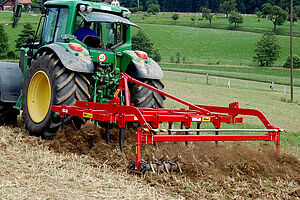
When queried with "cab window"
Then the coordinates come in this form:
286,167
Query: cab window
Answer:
55,24
111,34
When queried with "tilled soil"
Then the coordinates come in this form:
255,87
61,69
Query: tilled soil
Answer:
229,171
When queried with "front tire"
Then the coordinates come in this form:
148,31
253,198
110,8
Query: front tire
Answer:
145,98
49,83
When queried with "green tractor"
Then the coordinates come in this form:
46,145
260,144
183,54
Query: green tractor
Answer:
59,68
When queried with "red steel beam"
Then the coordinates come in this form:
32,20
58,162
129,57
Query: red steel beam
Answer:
182,138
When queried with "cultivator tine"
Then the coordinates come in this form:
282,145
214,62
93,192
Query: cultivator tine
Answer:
162,165
186,142
121,139
177,161
152,167
170,127
216,142
198,127
63,124
107,133
155,143
181,125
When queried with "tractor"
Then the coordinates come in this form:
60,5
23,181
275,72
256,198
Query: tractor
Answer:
56,68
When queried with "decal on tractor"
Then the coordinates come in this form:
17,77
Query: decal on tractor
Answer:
102,57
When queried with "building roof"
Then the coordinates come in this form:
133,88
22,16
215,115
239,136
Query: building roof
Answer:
20,1
24,1
3,2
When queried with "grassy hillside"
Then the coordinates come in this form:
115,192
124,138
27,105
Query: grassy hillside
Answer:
250,24
198,45
211,46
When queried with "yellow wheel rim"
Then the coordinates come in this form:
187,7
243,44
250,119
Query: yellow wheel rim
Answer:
39,96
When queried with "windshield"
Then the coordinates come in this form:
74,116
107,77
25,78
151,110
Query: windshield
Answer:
105,17
110,29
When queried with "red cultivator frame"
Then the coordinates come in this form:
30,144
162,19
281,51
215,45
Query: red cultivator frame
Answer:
150,118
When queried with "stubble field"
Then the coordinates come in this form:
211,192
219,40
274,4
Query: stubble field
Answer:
79,164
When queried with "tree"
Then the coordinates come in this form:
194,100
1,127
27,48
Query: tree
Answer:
228,6
207,14
23,36
178,56
175,17
140,41
153,9
275,14
3,41
294,18
258,14
267,50
297,10
296,62
267,8
235,18
193,19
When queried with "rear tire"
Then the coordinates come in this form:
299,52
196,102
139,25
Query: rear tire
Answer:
8,114
49,83
145,98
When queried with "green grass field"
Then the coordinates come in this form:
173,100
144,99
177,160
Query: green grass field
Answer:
250,24
261,74
6,20
211,46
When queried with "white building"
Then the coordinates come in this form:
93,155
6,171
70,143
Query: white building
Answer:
115,3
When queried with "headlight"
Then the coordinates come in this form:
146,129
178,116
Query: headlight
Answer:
82,8
126,14
89,9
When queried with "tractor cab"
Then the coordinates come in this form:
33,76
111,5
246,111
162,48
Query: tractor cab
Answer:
110,29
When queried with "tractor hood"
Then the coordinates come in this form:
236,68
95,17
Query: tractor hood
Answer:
105,17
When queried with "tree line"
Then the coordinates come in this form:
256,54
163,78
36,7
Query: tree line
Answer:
243,6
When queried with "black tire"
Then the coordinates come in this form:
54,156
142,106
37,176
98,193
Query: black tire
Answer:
66,87
8,114
145,98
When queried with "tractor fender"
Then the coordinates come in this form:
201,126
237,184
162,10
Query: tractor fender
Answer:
11,82
142,68
74,63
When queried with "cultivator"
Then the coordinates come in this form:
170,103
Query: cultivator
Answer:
149,120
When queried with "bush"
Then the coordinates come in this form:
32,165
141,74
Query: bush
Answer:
153,9
175,17
133,10
140,41
23,36
178,56
3,40
267,50
172,59
11,55
156,55
296,62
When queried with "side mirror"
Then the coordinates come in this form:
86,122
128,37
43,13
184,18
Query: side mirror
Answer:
17,14
30,40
